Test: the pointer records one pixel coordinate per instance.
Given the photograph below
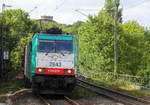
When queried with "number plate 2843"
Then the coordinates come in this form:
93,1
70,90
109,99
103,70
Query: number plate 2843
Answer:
55,64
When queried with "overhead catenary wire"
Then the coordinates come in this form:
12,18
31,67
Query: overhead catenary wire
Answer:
60,5
81,13
33,9
86,15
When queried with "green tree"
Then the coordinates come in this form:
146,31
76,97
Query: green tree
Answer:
96,40
96,44
16,25
112,6
73,29
132,47
18,52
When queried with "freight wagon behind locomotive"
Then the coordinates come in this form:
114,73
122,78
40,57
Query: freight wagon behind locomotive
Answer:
51,63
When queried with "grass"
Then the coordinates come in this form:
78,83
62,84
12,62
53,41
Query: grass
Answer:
79,92
2,100
14,85
136,92
5,86
124,87
119,84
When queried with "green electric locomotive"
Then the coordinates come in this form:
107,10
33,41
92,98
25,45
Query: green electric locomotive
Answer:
51,63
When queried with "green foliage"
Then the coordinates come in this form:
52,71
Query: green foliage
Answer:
111,7
16,24
17,53
96,44
16,28
132,48
14,84
73,29
139,93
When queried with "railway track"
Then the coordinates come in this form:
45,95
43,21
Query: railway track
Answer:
58,101
115,95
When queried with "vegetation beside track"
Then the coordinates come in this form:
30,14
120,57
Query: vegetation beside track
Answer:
81,92
118,83
135,92
14,85
2,100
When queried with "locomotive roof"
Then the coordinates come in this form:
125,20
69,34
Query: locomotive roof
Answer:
53,36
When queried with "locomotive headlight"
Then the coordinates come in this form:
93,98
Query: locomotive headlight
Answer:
69,71
39,70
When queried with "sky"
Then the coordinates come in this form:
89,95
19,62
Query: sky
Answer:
63,11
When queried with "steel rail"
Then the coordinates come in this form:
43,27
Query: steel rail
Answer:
66,99
72,102
118,96
44,100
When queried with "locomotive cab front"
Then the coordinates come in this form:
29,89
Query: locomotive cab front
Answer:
55,57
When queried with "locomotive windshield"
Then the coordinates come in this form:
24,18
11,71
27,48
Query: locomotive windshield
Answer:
63,46
57,46
46,46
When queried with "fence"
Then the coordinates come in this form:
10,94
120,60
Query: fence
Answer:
117,79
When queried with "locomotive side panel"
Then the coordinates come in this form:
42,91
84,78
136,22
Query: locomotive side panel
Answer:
28,55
